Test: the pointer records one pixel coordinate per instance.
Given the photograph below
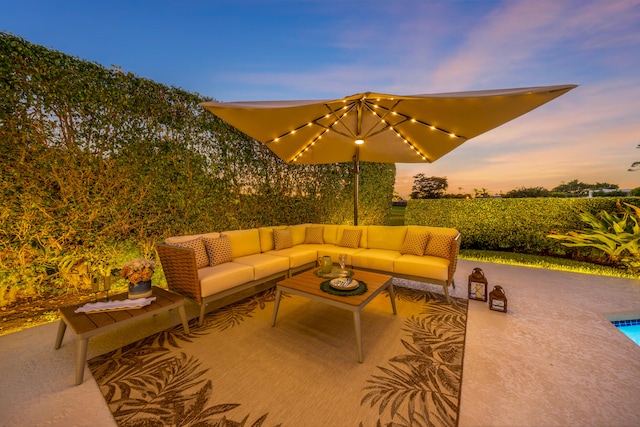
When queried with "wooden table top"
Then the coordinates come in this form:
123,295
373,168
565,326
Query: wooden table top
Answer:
86,322
309,283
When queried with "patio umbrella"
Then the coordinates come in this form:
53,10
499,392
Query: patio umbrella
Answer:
375,127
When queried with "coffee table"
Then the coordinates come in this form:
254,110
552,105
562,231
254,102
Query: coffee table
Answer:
307,285
86,325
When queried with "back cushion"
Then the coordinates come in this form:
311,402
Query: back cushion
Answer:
177,239
298,233
330,234
430,230
386,237
266,237
244,242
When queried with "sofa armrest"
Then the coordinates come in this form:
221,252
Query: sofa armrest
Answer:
453,258
180,270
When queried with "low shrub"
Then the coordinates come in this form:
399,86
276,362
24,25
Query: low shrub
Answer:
515,225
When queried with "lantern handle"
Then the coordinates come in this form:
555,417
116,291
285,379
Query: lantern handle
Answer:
498,288
477,272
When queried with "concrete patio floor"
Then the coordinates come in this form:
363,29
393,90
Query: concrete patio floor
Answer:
553,360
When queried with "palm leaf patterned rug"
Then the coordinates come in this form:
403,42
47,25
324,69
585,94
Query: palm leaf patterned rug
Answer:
238,370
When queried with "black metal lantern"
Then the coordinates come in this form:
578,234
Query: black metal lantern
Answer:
478,285
497,299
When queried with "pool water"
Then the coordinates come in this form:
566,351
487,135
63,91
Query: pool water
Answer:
630,328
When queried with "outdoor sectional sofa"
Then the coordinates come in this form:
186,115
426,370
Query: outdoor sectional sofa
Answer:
226,266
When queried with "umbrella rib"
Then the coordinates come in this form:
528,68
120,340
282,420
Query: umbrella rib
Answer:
407,118
348,108
330,128
396,131
314,122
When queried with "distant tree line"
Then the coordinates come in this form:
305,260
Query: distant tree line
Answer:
435,187
634,165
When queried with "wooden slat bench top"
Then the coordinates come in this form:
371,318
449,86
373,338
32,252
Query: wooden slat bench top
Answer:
86,325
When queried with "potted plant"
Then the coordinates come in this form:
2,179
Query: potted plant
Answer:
138,272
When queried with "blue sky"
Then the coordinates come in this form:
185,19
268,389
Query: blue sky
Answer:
234,50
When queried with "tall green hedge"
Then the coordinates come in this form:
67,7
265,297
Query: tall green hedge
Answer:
94,159
518,225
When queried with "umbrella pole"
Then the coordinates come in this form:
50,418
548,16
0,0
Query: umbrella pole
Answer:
356,170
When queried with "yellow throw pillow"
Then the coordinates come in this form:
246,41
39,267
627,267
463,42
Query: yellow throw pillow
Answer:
439,245
218,250
282,239
198,246
414,243
314,235
350,238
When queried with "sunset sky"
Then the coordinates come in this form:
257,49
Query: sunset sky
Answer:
233,50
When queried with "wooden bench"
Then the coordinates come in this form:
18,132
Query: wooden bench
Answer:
87,325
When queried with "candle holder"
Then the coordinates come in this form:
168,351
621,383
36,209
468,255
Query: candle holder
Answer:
478,285
101,283
498,299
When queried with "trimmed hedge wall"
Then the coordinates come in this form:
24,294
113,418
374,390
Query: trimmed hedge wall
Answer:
518,225
97,160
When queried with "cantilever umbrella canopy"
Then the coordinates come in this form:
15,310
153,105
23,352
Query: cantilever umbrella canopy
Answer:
375,127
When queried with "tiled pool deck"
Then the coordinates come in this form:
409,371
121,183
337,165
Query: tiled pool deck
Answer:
632,322
555,359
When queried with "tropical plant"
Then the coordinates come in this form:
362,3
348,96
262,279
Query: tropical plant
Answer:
616,234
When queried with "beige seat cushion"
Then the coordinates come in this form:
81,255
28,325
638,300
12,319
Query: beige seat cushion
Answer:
428,267
264,265
375,259
223,277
